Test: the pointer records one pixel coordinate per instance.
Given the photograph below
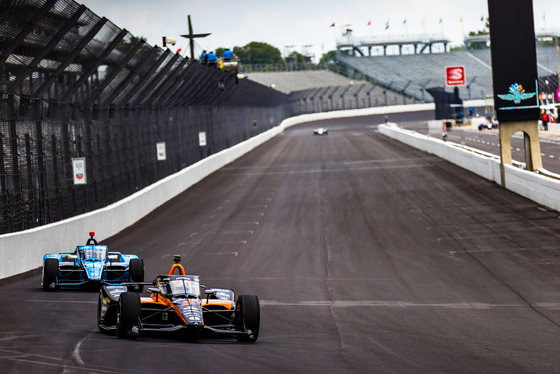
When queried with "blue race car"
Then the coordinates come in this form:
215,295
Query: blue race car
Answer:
90,264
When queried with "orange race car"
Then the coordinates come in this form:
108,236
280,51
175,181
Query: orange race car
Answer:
175,304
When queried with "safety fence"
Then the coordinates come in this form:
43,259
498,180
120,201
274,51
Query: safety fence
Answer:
358,95
89,114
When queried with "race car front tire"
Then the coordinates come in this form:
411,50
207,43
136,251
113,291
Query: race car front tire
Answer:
247,317
128,318
50,274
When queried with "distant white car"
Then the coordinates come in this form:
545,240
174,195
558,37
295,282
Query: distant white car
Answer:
320,131
490,124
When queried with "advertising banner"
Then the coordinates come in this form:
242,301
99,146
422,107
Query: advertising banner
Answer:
79,170
455,76
202,138
161,155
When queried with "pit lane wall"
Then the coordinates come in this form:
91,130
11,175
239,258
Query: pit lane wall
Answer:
544,190
23,251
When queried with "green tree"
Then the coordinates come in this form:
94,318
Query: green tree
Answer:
298,59
483,32
125,44
258,53
545,43
331,60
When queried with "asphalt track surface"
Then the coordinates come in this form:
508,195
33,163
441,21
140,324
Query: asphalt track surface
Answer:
368,257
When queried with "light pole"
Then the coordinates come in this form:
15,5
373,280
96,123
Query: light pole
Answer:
191,36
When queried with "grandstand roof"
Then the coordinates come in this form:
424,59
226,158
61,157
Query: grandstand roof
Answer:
539,34
419,41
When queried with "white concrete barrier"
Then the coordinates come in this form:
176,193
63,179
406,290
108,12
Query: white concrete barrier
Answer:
23,251
541,189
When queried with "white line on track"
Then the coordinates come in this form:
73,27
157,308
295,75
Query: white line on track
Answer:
465,251
76,352
473,237
223,253
41,360
389,304
62,301
235,223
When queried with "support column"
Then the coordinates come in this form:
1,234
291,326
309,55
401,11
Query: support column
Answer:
530,129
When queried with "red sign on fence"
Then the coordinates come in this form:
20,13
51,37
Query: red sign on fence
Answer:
455,76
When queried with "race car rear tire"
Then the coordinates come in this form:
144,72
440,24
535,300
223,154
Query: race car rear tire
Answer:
136,272
50,274
247,317
129,315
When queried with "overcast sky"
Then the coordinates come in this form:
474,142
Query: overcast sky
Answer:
293,25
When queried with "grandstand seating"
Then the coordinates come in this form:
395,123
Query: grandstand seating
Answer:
287,82
399,79
315,91
412,74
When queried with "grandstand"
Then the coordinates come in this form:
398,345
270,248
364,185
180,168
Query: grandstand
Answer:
323,90
396,79
288,82
411,75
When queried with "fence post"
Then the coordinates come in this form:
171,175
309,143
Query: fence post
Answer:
15,206
4,189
